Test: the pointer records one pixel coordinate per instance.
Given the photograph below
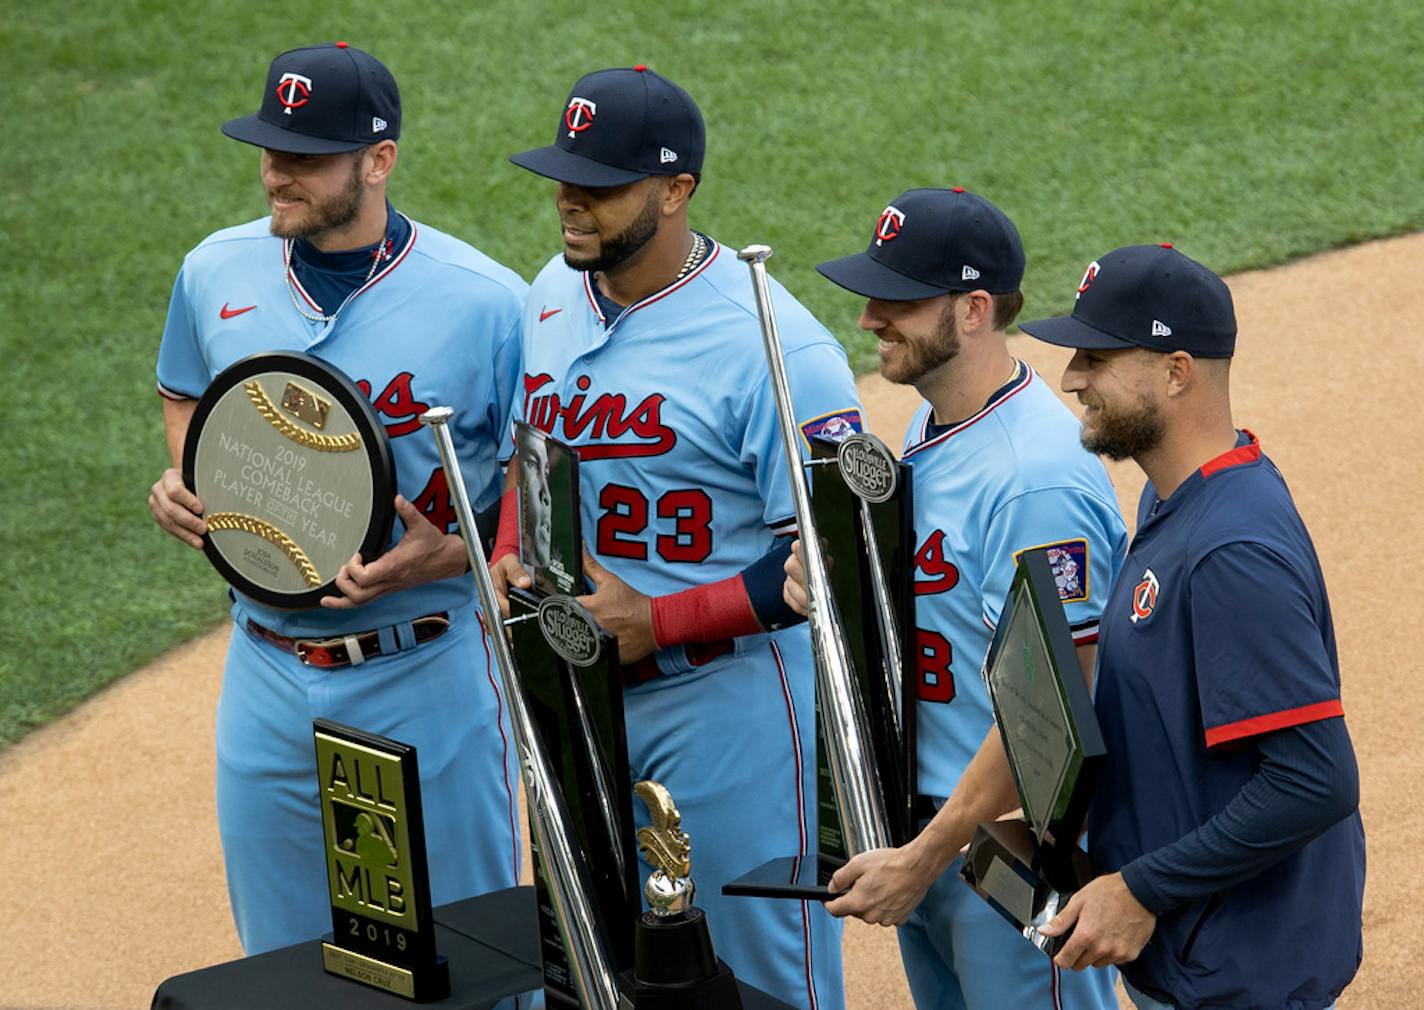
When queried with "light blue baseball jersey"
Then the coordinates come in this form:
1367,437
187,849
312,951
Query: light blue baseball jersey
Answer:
683,476
436,324
683,482
406,338
1011,477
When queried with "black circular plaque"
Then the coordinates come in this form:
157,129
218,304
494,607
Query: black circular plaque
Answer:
295,474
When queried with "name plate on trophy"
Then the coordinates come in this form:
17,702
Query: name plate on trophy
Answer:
383,932
1027,869
295,474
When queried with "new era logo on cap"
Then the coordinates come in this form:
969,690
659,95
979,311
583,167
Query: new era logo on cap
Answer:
969,274
666,155
378,124
1160,329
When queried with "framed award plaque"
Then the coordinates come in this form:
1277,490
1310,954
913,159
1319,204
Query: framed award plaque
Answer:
295,474
1028,868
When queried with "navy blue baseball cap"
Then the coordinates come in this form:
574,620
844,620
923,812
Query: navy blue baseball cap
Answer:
619,126
323,99
1146,296
930,242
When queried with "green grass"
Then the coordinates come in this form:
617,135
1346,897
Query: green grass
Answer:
1246,133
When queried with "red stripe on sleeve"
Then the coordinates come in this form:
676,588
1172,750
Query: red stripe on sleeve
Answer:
1257,725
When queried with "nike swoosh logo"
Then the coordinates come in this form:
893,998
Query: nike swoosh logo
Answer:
546,312
228,313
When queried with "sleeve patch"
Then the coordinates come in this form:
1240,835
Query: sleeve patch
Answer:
835,426
1069,561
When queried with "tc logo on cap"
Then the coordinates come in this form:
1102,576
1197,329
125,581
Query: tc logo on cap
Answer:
293,91
892,219
1089,275
579,115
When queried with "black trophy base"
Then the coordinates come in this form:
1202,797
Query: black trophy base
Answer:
421,985
675,967
1025,882
800,877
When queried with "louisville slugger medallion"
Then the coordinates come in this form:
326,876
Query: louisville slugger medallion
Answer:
295,474
569,630
868,467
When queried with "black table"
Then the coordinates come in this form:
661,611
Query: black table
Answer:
491,942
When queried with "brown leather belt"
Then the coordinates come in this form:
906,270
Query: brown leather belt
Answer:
348,650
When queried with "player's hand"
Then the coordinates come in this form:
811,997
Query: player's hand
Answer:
889,884
422,555
793,590
620,610
1112,927
506,572
176,509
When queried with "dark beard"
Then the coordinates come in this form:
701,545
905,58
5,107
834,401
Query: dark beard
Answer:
333,215
1122,434
922,357
618,250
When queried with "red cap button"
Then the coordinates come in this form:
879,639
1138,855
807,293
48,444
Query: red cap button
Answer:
641,67
1166,245
958,189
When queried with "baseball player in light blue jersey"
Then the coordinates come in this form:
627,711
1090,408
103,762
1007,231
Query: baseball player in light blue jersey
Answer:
997,469
642,348
416,318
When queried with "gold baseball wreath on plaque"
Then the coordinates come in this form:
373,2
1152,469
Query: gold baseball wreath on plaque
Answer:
260,528
321,443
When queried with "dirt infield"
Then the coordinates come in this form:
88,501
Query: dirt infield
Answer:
107,816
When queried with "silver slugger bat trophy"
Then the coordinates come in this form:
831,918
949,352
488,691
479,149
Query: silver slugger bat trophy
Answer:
563,866
845,724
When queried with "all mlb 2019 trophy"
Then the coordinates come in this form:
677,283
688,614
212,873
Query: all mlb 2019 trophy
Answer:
383,933
865,705
295,473
1028,868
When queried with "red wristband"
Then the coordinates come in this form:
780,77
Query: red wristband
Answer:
506,541
710,613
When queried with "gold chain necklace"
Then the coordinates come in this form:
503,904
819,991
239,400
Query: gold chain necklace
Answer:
694,256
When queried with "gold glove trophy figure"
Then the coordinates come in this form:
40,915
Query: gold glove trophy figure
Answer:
675,967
